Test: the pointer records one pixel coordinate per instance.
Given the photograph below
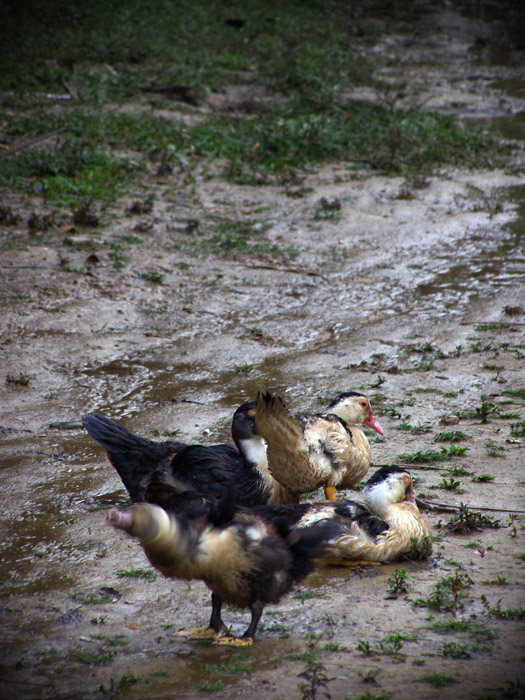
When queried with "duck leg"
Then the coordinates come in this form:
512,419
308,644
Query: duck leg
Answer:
330,493
214,629
248,637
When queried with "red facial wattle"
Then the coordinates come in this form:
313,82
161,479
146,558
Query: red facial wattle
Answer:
373,423
410,494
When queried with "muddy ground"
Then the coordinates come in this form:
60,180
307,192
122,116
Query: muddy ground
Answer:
412,293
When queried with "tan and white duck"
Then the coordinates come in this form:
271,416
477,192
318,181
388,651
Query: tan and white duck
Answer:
244,558
306,451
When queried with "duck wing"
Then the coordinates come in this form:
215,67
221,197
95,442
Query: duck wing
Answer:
216,469
297,453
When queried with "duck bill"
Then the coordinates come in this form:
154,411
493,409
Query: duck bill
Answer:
410,494
373,423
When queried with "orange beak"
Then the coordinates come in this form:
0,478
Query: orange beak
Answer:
373,423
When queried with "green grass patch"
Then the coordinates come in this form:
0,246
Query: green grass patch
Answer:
502,613
450,484
450,626
441,455
515,393
456,471
93,658
116,687
494,450
439,680
146,574
306,593
238,664
415,429
466,520
230,238
450,436
456,650
129,58
518,429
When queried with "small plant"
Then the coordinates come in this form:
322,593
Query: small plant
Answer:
154,276
391,646
399,582
439,680
456,650
447,593
147,574
450,436
450,626
93,659
100,620
328,209
450,485
365,648
502,614
441,455
171,433
112,641
518,429
244,368
19,380
517,393
484,409
419,428
425,366
306,593
117,255
483,478
481,635
115,688
315,680
370,677
211,686
466,520
513,520
493,449
456,471
105,596
420,550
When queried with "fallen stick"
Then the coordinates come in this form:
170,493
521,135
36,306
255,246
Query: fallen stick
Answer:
448,507
32,142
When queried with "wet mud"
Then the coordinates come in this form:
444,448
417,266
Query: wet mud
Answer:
414,295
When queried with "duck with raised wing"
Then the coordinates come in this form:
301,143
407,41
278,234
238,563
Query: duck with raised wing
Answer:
306,451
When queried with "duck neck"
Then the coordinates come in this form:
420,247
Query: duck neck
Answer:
405,516
254,452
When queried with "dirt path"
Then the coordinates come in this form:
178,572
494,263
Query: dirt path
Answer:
412,292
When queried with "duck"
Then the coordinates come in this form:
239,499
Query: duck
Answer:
386,527
306,451
208,470
243,557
